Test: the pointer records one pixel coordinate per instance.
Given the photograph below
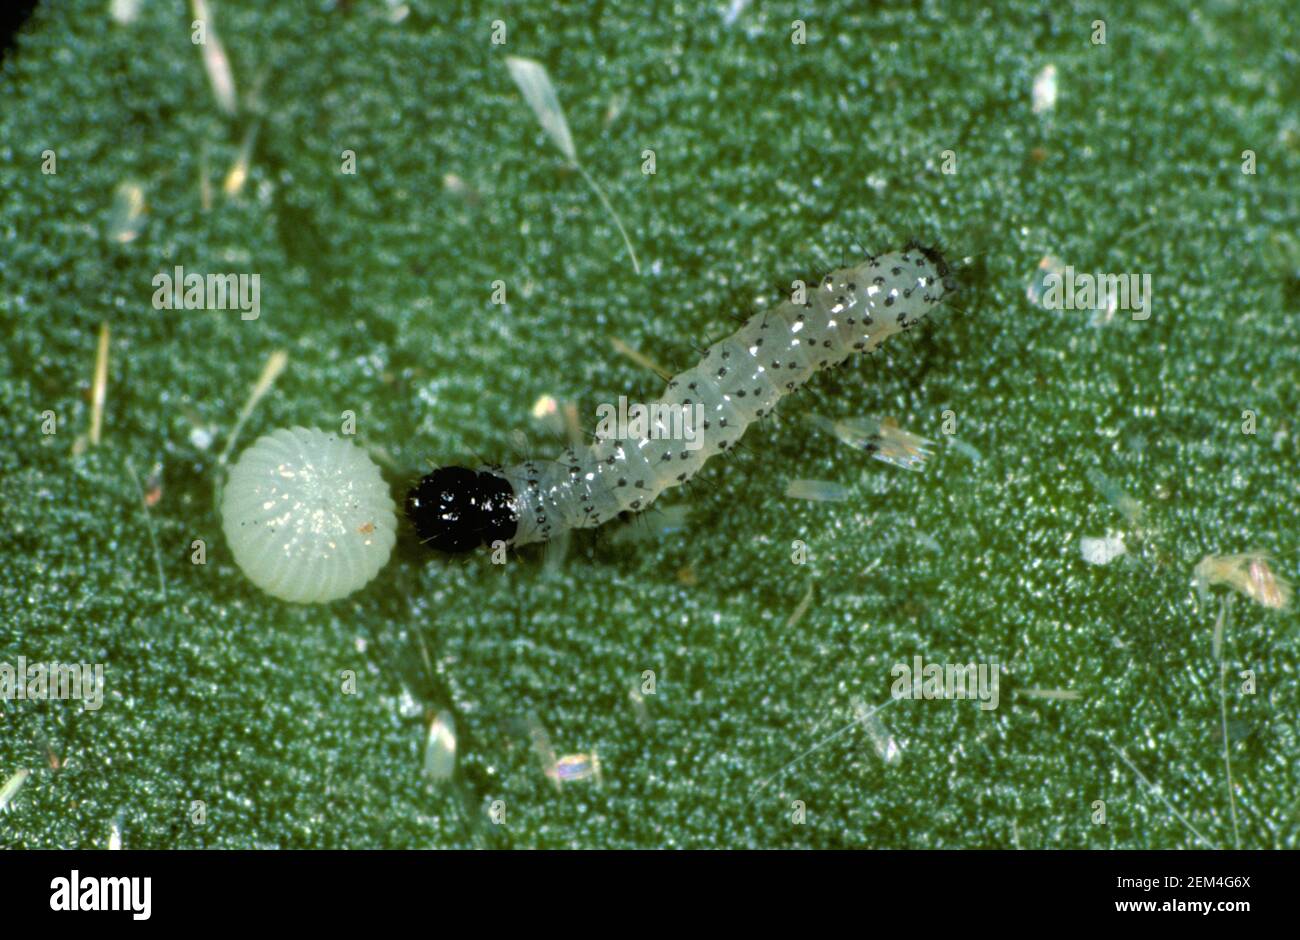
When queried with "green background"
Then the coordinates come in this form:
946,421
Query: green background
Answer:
773,161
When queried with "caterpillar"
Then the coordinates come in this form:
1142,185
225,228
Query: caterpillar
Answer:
739,380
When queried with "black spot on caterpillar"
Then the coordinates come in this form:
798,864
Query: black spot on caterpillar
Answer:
738,380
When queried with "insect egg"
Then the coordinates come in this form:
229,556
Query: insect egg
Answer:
307,516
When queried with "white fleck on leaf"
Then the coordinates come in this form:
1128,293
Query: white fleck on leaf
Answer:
215,61
887,748
126,218
407,706
1045,87
1053,695
1217,644
882,438
538,91
1102,551
1038,287
124,11
440,749
99,388
820,491
801,609
545,408
12,786
459,188
238,174
638,707
573,767
541,745
733,11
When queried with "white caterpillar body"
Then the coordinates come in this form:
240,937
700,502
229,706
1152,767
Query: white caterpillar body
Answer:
739,379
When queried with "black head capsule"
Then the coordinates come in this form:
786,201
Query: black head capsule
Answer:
455,509
933,254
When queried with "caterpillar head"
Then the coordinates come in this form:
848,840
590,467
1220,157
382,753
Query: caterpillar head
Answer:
455,509
934,254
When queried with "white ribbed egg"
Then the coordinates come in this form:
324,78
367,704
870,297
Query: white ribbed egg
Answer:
307,515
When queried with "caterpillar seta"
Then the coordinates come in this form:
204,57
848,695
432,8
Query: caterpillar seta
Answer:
739,380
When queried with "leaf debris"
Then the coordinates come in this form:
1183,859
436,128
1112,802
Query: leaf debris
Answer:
535,85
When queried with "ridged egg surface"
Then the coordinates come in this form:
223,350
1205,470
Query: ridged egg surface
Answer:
308,516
